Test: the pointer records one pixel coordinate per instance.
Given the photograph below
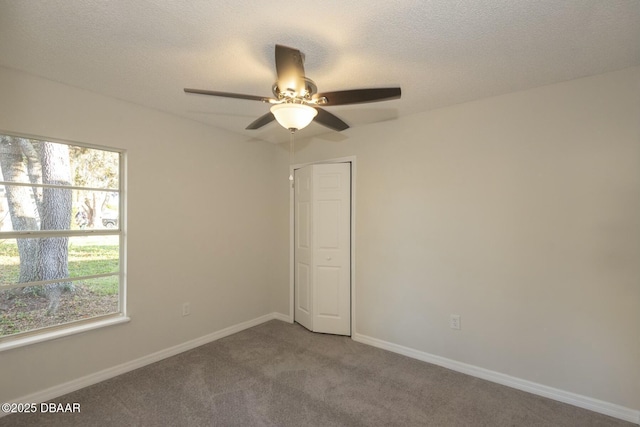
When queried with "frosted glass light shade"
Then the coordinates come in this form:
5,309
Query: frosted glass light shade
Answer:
293,116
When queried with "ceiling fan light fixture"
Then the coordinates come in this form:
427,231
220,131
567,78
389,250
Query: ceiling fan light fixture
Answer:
293,116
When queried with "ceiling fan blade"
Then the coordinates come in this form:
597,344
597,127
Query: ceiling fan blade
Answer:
261,121
327,119
290,69
228,94
358,96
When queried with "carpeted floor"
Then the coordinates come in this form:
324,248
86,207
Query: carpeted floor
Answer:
278,374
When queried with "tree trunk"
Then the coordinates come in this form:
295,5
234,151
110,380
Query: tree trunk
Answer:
34,167
22,208
90,211
56,215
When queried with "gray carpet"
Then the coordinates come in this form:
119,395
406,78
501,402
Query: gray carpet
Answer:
278,374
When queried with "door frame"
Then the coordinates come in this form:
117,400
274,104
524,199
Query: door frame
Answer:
292,168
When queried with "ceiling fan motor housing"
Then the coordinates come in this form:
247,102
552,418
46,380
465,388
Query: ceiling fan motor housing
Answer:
295,96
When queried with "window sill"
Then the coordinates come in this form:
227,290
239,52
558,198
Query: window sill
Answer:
59,333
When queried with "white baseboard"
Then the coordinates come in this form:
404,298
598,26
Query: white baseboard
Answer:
283,317
77,384
580,401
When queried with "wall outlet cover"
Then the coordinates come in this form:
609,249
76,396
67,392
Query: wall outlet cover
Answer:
454,321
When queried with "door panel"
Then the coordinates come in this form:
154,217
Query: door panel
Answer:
304,227
304,292
328,224
329,298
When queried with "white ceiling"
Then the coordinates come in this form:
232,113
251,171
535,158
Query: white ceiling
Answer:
441,52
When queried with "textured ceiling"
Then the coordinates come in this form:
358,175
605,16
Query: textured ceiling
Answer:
441,52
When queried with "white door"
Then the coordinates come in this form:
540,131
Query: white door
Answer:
323,248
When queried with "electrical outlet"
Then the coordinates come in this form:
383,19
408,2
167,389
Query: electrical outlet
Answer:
454,321
186,309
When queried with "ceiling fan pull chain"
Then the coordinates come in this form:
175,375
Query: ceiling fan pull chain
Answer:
291,154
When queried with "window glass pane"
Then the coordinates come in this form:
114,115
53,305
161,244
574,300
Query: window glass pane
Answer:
35,307
94,168
30,260
23,160
36,208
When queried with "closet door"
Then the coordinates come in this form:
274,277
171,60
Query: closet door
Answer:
323,248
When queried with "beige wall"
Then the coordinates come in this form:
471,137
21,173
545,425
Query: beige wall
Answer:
200,215
521,213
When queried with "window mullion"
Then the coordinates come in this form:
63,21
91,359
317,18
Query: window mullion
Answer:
64,187
63,279
36,234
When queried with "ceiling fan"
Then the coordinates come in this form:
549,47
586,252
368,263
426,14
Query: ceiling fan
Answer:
296,100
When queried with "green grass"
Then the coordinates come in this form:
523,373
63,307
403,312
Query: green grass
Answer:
83,261
103,285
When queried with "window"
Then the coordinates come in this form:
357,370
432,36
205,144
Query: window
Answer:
61,238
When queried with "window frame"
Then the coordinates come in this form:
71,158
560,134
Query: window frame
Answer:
76,326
